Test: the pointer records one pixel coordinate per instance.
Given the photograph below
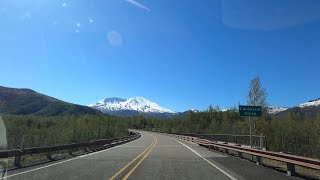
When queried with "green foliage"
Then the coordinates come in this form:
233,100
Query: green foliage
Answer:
44,130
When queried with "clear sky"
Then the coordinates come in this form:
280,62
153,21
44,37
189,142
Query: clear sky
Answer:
180,54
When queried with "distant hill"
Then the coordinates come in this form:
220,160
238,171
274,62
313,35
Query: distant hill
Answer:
29,102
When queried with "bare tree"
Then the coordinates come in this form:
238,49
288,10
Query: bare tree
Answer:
257,95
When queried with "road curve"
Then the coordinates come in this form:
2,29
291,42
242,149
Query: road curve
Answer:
153,156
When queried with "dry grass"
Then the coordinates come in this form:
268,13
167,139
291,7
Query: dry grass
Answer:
302,171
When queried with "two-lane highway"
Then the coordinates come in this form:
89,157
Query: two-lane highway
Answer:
153,156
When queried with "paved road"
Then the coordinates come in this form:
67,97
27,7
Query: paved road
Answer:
153,156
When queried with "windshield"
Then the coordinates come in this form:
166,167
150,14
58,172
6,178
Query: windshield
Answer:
122,86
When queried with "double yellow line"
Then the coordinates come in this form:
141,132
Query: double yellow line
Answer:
146,152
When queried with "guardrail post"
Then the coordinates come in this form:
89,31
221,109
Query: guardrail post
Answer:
259,160
240,155
261,141
86,147
291,170
17,159
226,151
70,151
49,155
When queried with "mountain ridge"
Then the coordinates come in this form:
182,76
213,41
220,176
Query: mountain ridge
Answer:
310,109
132,106
23,101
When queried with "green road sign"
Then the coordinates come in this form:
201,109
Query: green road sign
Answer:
250,111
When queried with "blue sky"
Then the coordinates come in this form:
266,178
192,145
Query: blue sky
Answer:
179,54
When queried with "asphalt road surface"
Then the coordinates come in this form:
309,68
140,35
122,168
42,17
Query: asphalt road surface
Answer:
151,157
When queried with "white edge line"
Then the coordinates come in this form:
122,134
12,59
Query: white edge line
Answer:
24,172
224,172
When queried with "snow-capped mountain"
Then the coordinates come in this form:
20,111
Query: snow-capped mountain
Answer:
312,103
310,109
141,106
131,106
194,110
275,110
224,110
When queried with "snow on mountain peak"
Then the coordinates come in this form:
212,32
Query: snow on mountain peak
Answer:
135,103
138,100
111,100
313,103
275,110
194,110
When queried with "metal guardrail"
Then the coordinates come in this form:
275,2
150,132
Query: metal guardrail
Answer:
257,141
49,150
290,160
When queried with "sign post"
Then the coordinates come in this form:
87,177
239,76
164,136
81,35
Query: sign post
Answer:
250,111
250,132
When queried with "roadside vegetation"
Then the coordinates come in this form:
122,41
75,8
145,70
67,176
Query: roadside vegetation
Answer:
54,130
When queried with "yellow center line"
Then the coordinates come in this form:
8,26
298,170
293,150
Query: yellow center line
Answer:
135,167
126,166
